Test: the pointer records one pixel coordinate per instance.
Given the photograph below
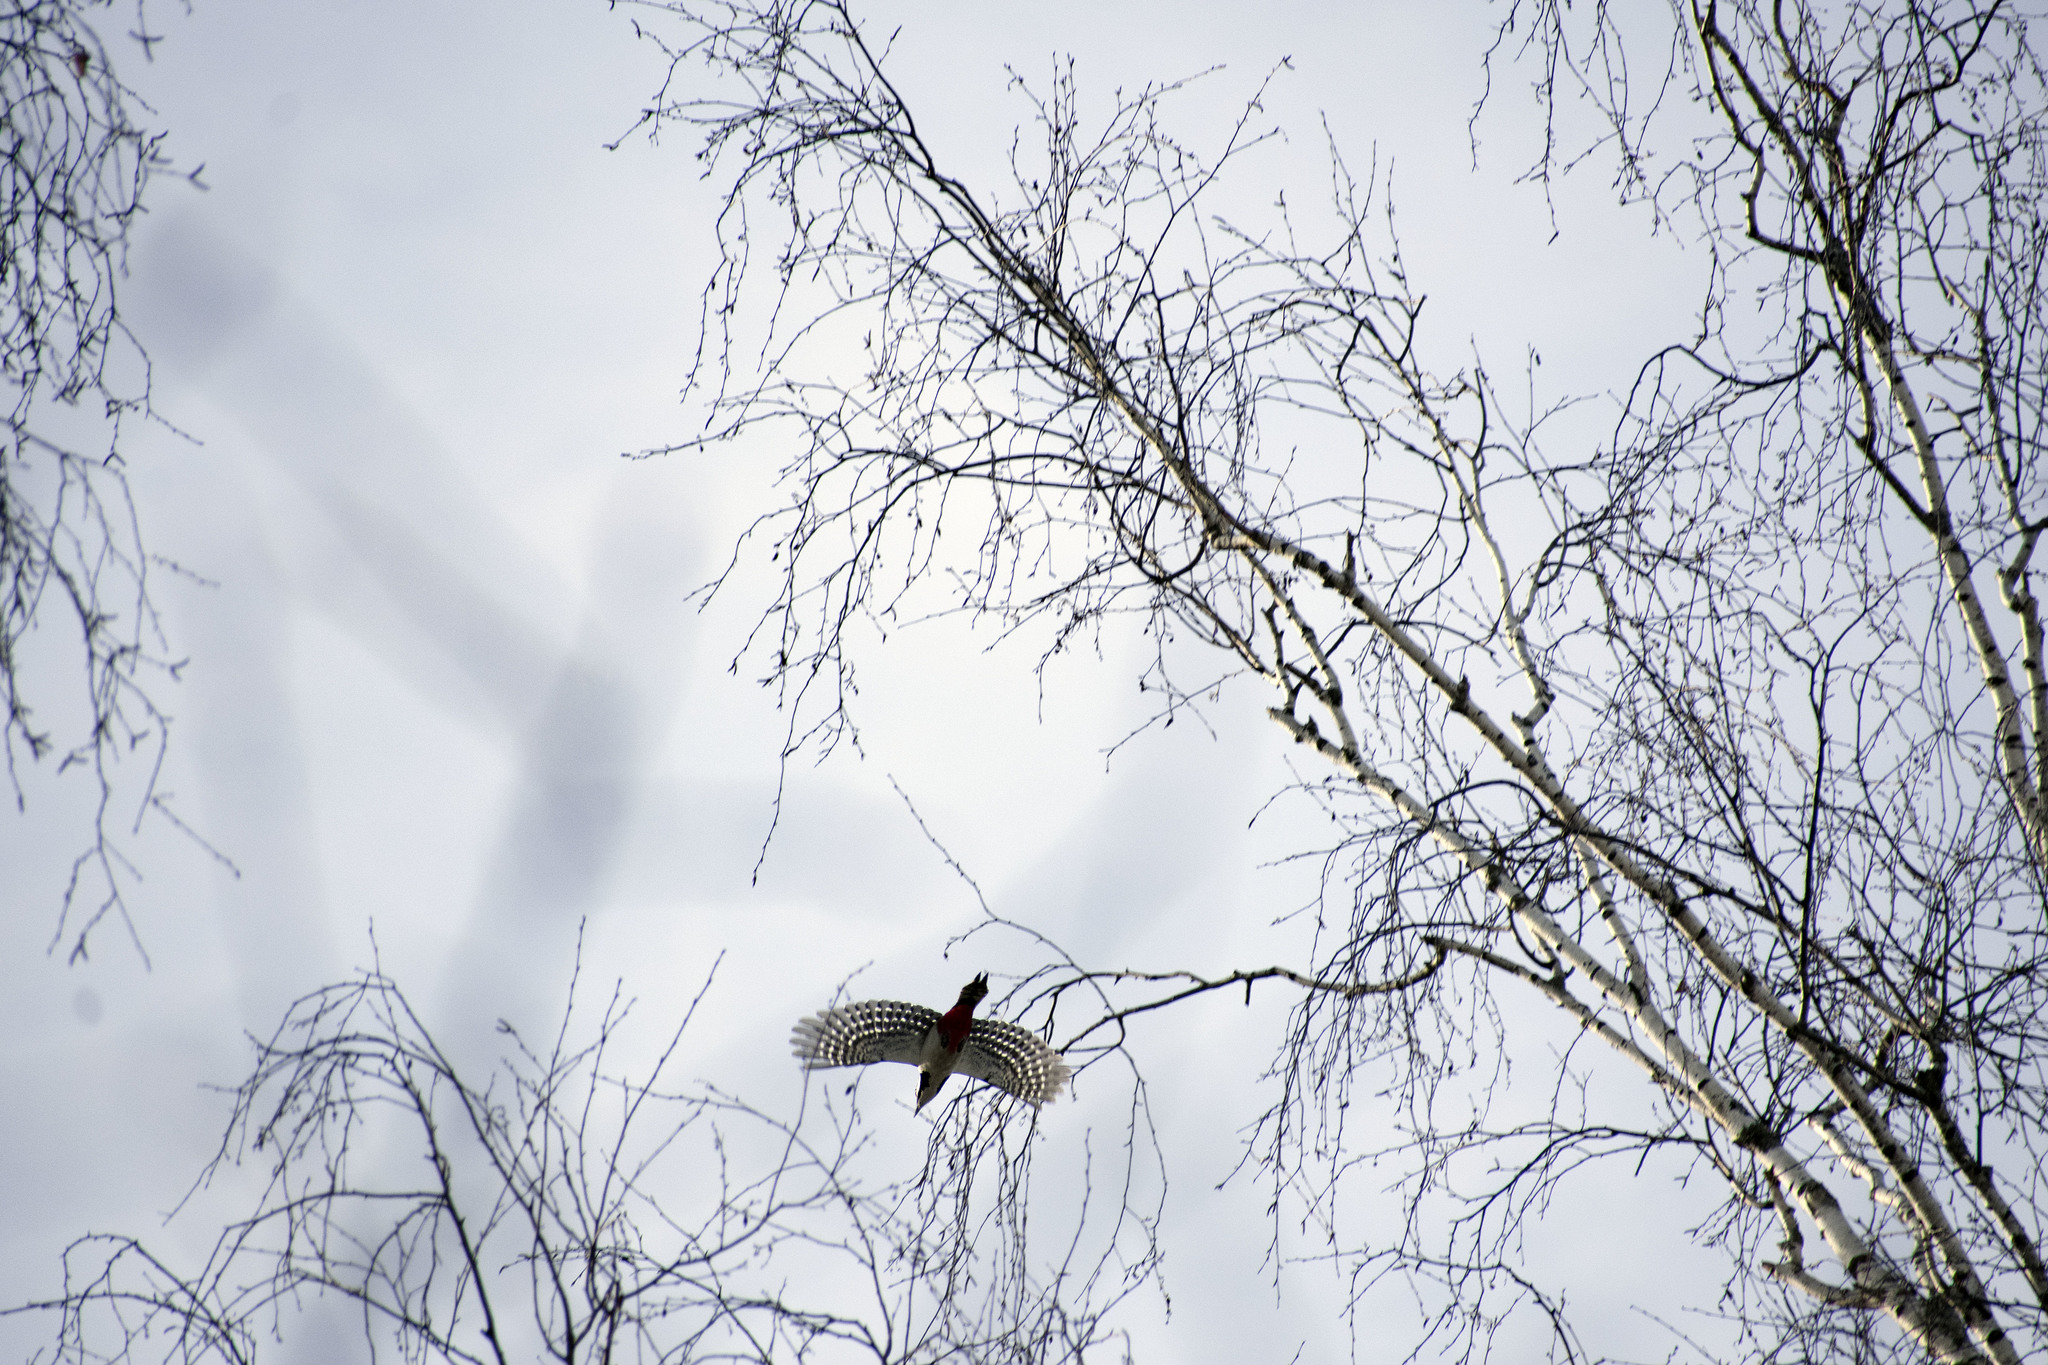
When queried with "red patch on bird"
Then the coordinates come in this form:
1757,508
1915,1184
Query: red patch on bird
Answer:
954,1026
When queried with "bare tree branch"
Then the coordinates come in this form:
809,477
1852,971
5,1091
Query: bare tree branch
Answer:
76,158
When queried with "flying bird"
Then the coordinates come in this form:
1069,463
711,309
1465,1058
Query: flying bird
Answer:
1006,1056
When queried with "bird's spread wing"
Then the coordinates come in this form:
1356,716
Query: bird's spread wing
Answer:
1014,1059
867,1031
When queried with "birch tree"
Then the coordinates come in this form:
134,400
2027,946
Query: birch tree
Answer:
1718,738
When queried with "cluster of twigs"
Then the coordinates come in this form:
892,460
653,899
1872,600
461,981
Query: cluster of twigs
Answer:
76,158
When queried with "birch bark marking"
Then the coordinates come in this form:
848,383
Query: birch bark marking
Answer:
1955,562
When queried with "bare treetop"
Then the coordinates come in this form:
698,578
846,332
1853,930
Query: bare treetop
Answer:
1723,737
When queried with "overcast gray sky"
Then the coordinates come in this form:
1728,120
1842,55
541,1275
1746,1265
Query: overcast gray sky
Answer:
443,678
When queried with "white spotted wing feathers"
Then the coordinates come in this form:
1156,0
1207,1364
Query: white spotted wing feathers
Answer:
1012,1059
870,1031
